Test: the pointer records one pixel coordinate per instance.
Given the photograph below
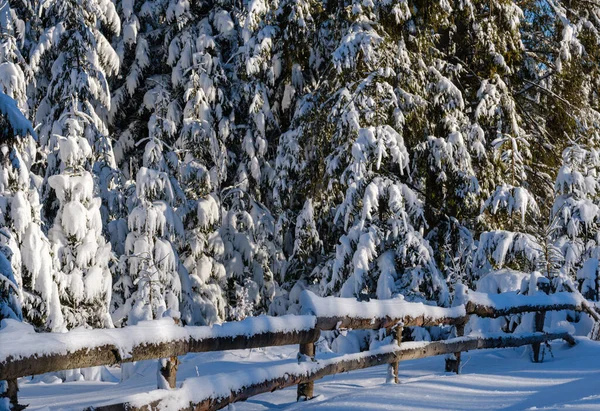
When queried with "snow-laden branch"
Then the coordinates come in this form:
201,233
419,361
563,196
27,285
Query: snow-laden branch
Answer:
19,123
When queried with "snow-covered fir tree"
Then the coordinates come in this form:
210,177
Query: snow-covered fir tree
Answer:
362,149
13,214
198,67
376,242
575,215
247,222
23,239
81,254
150,282
74,58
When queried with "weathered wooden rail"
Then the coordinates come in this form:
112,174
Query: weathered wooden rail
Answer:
111,354
299,374
163,339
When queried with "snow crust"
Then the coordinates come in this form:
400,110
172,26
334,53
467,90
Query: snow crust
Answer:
19,340
393,308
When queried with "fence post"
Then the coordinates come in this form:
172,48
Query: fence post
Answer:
393,367
453,360
543,285
168,371
540,316
12,388
306,390
461,297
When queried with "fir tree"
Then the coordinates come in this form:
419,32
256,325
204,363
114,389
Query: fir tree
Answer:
198,67
150,283
75,140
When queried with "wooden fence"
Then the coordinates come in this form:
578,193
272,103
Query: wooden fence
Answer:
109,347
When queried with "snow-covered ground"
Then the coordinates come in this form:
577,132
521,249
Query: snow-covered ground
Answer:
501,379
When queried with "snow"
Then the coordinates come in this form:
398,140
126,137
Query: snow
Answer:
195,390
393,308
502,281
359,44
223,22
588,275
20,212
76,223
374,112
498,379
21,341
502,246
513,199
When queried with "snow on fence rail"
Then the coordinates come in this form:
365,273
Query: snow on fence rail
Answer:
24,352
333,312
498,305
218,391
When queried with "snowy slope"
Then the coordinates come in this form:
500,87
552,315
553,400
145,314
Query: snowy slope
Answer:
502,379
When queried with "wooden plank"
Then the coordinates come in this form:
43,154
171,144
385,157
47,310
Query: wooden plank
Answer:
109,354
11,393
340,365
472,308
13,368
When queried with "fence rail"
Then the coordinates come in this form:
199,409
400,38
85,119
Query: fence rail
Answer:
111,354
70,350
297,374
